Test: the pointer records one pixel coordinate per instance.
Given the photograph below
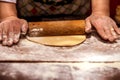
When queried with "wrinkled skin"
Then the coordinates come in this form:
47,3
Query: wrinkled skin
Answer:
10,30
104,25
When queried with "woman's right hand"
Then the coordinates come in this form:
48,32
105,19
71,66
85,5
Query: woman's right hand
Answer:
10,30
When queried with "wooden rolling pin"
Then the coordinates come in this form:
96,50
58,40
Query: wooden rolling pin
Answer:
56,28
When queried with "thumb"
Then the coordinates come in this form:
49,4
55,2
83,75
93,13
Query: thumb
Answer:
88,26
24,26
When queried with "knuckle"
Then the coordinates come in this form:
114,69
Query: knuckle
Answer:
4,37
4,42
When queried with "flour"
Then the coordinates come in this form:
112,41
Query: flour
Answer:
90,50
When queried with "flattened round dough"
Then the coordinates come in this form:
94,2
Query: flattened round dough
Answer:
59,40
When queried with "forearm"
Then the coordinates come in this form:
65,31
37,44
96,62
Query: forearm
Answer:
7,10
101,7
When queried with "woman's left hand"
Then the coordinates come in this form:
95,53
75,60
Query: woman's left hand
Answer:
105,26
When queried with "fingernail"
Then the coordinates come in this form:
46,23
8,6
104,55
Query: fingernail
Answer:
16,38
115,36
4,40
111,39
10,41
106,37
87,30
0,38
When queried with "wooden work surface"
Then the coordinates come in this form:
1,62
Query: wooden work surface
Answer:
93,49
92,60
59,71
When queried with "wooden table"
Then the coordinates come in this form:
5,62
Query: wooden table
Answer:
94,59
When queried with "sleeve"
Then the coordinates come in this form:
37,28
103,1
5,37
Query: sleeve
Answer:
12,1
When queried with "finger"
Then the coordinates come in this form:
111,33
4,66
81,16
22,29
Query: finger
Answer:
88,26
102,33
109,33
116,28
16,29
16,38
10,35
100,30
114,34
1,32
24,26
4,34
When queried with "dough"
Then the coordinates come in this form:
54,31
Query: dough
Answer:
59,40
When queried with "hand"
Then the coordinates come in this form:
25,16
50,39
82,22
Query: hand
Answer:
10,30
105,26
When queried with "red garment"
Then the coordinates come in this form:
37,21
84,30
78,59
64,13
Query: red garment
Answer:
113,5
